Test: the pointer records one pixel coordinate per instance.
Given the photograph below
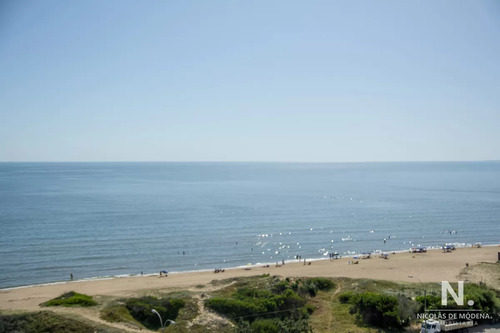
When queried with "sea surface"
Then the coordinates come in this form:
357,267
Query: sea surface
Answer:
116,219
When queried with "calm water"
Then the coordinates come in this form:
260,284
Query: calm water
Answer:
104,219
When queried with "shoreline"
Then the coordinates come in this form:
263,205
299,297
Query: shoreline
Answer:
253,266
432,266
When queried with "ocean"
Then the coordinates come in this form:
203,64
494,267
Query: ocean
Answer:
117,219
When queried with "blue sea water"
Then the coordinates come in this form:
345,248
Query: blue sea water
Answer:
108,219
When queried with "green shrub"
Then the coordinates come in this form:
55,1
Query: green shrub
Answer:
269,306
323,284
281,287
374,309
235,308
71,299
346,297
118,313
309,309
47,321
485,299
141,309
313,285
254,303
407,309
274,325
291,301
431,301
244,293
264,326
243,326
293,326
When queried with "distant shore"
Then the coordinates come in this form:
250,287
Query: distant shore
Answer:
432,266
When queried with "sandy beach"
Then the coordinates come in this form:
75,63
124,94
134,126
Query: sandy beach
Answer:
433,266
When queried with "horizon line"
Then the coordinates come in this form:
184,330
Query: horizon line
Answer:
262,161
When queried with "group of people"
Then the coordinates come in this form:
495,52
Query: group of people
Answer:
334,256
219,270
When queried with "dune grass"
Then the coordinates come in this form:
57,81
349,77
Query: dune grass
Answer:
71,299
47,321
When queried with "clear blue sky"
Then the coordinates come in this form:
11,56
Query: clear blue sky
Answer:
330,81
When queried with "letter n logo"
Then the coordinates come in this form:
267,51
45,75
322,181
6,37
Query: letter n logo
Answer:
446,287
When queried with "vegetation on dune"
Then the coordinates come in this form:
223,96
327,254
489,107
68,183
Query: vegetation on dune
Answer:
139,311
374,309
142,310
274,326
118,313
364,305
264,304
46,321
485,299
311,286
269,304
407,310
71,299
394,305
250,303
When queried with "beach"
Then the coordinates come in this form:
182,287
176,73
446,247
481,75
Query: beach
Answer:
432,266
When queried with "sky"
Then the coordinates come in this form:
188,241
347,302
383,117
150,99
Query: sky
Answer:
303,81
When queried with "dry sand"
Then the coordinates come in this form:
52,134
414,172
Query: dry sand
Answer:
433,266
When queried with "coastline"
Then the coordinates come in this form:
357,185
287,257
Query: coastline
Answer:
256,265
432,266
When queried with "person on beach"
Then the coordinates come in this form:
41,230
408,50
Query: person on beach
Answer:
71,276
